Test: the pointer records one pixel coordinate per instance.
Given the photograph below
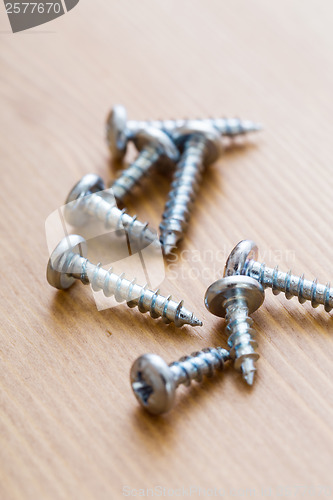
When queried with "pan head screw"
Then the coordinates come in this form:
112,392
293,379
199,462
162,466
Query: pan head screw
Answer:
68,262
234,288
154,383
236,298
242,260
119,130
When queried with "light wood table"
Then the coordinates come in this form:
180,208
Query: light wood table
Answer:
70,426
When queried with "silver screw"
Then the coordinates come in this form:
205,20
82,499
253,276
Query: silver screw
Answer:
68,262
120,130
89,199
154,383
242,260
235,298
201,145
154,146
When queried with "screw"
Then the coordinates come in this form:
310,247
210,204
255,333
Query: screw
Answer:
154,383
201,145
68,262
120,130
154,146
242,260
235,298
88,198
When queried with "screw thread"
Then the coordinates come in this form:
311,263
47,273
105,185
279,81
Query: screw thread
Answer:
225,126
291,285
199,364
125,290
184,188
241,339
132,175
113,218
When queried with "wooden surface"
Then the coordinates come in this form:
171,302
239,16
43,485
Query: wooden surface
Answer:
70,426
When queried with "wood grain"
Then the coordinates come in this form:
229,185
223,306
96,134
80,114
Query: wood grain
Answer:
70,427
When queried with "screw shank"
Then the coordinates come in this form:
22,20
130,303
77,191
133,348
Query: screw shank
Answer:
291,285
132,175
184,188
112,217
225,126
241,339
198,365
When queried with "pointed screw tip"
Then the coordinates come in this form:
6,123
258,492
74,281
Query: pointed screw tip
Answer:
196,322
169,242
258,127
167,249
249,378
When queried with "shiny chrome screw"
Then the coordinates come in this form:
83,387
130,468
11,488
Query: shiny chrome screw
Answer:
235,298
242,260
201,145
120,130
90,200
154,383
68,262
154,147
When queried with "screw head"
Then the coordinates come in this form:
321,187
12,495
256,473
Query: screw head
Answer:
116,135
70,244
195,127
150,136
153,384
89,184
234,287
244,250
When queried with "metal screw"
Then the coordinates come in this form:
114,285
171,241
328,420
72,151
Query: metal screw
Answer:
201,145
242,260
235,298
154,383
68,262
89,199
120,130
154,146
